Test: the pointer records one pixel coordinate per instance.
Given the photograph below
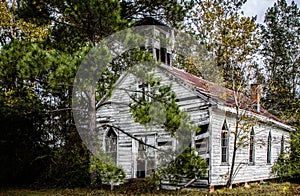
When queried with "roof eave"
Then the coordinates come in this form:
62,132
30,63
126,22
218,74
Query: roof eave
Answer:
257,116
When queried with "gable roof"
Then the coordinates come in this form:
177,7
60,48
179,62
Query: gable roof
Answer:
214,92
218,93
148,20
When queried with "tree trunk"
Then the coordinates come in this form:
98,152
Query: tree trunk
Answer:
111,186
230,179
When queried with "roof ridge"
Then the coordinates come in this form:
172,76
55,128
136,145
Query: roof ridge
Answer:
216,91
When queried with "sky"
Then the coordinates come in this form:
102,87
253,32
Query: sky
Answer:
259,7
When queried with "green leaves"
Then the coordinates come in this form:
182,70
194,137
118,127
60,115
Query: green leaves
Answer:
162,111
281,57
231,37
281,38
104,172
187,165
288,164
15,28
22,69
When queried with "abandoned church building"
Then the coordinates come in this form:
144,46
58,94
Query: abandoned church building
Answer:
215,114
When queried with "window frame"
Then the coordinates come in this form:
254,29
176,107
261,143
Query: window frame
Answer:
111,144
142,90
252,147
224,144
269,148
282,144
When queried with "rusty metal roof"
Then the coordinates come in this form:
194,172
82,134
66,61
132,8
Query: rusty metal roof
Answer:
218,93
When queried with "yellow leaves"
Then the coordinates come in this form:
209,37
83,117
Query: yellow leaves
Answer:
20,28
32,32
8,93
13,99
231,36
5,15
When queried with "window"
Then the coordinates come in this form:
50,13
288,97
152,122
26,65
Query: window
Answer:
143,90
157,52
251,147
168,59
141,163
164,143
269,148
203,129
145,157
282,144
163,52
224,143
202,145
111,144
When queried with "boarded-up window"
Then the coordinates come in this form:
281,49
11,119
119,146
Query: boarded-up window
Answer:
224,143
111,144
251,147
269,148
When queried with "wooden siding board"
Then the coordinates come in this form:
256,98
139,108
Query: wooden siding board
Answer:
117,112
119,115
247,172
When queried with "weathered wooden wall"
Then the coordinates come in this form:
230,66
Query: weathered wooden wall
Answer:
258,170
117,113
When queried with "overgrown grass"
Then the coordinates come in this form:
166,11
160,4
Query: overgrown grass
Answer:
141,189
262,189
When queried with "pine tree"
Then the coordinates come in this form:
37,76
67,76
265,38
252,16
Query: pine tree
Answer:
65,30
281,46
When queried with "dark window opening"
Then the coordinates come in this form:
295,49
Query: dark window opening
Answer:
282,145
163,55
203,129
140,174
164,143
269,148
251,149
157,54
168,59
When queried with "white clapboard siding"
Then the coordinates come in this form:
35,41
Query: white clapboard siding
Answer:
259,170
117,113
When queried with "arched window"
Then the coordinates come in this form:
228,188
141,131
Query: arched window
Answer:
269,147
282,144
111,144
224,143
251,147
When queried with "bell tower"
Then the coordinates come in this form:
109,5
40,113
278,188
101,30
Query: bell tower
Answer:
159,41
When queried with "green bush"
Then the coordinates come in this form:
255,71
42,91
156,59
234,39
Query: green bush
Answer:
105,173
